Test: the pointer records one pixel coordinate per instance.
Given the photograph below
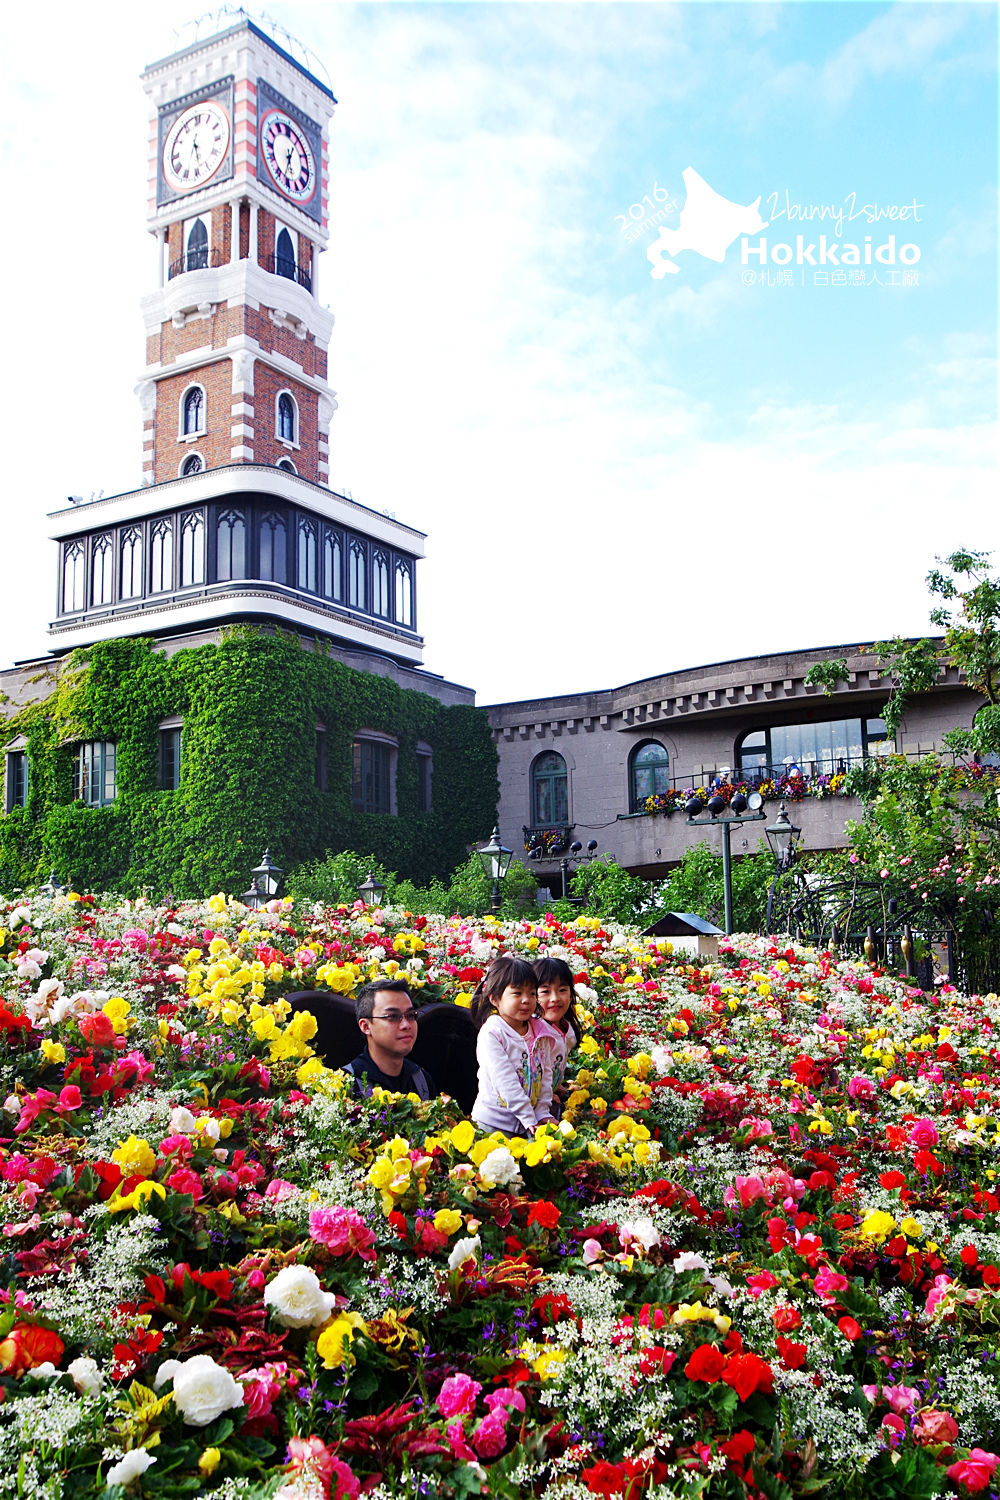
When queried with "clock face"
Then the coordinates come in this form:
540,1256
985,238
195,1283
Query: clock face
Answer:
288,156
196,146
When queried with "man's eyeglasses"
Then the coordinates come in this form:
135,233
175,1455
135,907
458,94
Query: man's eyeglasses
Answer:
396,1017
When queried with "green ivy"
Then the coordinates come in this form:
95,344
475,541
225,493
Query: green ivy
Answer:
250,706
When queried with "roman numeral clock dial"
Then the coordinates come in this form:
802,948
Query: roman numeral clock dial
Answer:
288,156
195,146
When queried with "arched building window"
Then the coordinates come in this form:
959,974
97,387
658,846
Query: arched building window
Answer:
230,546
549,790
192,549
193,464
161,556
404,594
356,591
284,255
286,418
273,548
287,465
333,585
74,569
196,245
102,567
192,411
130,585
380,584
649,774
307,556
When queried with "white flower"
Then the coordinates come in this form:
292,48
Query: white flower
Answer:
376,955
464,1250
42,1001
298,1299
203,1390
28,969
182,1121
85,1374
499,1169
585,993
130,1467
663,1059
642,1230
175,971
175,929
689,1261
19,914
722,1285
166,1372
45,1371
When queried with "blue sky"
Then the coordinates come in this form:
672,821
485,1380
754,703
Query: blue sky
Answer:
610,467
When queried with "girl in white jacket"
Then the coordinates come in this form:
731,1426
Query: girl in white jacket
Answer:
514,1051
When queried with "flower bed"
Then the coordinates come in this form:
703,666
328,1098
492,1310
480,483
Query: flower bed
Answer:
760,1254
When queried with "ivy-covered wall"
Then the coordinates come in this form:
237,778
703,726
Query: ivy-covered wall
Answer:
250,706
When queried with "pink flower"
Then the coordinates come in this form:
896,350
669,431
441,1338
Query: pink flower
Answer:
344,1483
457,1396
592,1252
748,1189
937,1293
186,1181
828,1283
507,1397
758,1128
902,1397
342,1231
490,1437
853,858
261,1389
456,1442
761,1282
278,1189
924,1133
861,1087
974,1472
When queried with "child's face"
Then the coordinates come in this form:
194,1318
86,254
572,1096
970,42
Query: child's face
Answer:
517,1006
554,1000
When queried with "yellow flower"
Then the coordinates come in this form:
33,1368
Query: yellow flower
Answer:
590,1048
53,1052
264,1027
117,1011
140,1194
332,1342
134,1156
911,1228
210,1461
448,1221
877,1225
463,1136
549,1363
216,903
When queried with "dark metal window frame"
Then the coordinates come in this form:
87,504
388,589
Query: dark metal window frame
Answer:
97,772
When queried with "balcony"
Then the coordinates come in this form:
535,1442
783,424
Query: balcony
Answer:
553,841
283,265
195,260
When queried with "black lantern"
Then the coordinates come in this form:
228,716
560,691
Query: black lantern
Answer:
267,875
496,862
716,804
51,887
255,897
693,806
783,837
372,892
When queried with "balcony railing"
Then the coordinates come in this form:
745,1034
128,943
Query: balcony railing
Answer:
553,841
281,265
195,260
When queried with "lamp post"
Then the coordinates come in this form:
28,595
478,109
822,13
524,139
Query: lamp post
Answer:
255,897
267,875
496,862
739,809
372,891
783,837
575,855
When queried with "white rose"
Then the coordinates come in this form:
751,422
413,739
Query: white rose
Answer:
203,1390
62,1008
298,1299
642,1230
464,1250
12,1105
182,1121
45,1371
28,969
85,1375
585,993
19,914
130,1467
376,955
175,929
499,1169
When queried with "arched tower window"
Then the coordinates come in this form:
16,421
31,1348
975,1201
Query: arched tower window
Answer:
230,546
161,556
549,790
287,465
273,548
284,255
404,594
193,464
333,585
192,549
649,774
196,247
307,556
73,576
380,585
192,411
101,570
130,586
356,591
287,418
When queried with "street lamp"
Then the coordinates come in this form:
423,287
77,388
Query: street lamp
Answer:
739,809
372,892
267,875
255,897
783,838
496,862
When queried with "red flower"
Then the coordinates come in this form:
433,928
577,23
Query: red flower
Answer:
607,1480
793,1355
97,1030
739,1446
892,1179
545,1214
26,1346
746,1373
786,1318
707,1363
656,1361
849,1328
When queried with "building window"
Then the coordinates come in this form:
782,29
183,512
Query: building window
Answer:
192,548
380,585
193,409
356,592
320,769
286,423
820,749
161,557
101,570
130,586
372,775
404,595
333,586
196,245
425,766
169,769
273,548
193,464
307,556
284,255
649,774
73,577
95,773
16,780
230,546
549,790
287,465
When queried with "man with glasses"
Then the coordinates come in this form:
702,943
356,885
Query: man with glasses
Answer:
388,1020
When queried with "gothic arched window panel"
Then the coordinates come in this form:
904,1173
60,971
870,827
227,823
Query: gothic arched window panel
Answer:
286,423
284,255
649,774
380,584
404,594
161,556
230,546
356,569
273,548
74,569
130,581
193,464
193,411
192,548
307,556
102,568
196,245
333,563
549,790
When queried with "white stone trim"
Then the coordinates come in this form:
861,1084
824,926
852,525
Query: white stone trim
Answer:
240,451
239,283
241,430
242,409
